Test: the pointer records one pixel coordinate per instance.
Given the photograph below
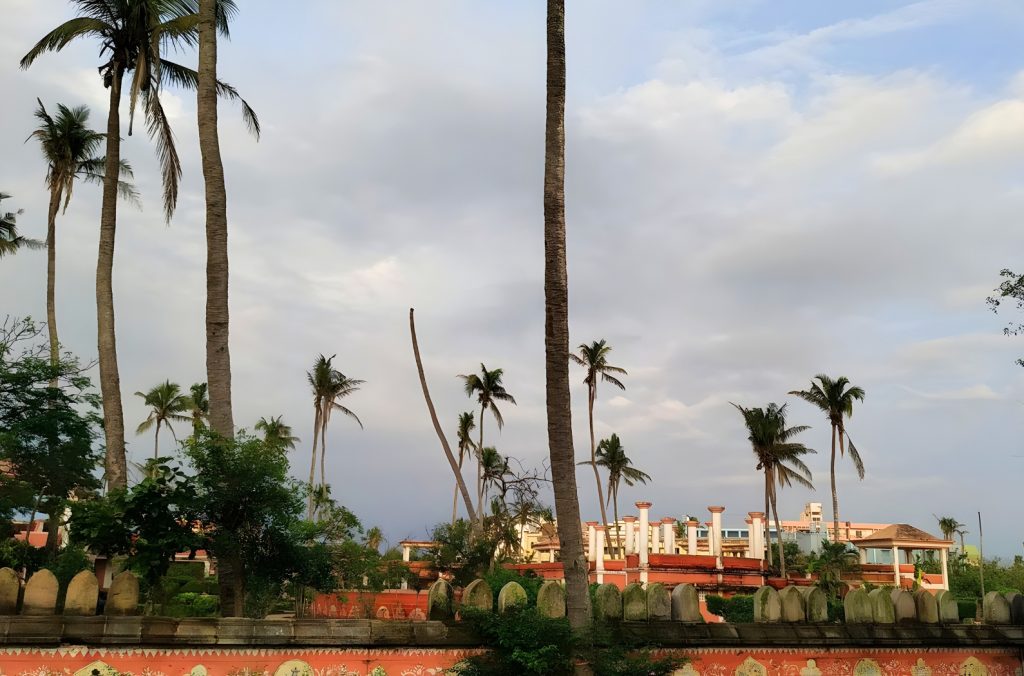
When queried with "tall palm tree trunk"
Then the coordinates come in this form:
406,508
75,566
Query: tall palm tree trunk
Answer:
323,447
455,493
218,356
480,468
835,494
437,425
778,528
591,396
312,463
51,280
615,511
156,441
110,379
767,512
556,329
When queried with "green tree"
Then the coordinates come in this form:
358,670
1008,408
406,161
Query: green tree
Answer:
134,36
1010,289
779,458
612,457
199,406
10,240
329,387
830,564
166,405
69,148
276,433
556,328
46,433
464,437
489,389
835,397
594,358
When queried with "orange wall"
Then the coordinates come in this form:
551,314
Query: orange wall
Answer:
418,661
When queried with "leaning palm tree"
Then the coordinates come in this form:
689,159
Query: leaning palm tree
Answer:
329,386
780,460
134,36
594,358
10,240
198,406
166,405
489,389
464,436
276,433
835,399
69,148
612,456
556,329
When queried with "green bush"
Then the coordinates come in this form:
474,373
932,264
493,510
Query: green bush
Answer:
968,608
836,611
191,569
617,660
522,641
502,576
737,609
190,604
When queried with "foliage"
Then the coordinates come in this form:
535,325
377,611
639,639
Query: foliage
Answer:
191,604
499,577
965,581
522,641
10,240
458,554
619,660
166,404
737,609
967,609
830,563
1010,289
276,433
796,561
836,610
329,387
46,433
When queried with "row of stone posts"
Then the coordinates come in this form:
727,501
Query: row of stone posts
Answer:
39,596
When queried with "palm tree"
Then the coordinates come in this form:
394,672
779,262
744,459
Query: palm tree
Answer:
612,456
166,405
488,388
464,436
594,358
835,399
780,460
10,240
556,328
329,387
199,406
950,527
834,559
374,538
276,433
495,468
134,35
69,148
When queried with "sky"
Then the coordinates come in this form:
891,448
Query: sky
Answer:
757,191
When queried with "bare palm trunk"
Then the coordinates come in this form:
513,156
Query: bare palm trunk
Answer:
591,397
835,495
455,492
778,528
767,512
51,280
615,511
480,468
437,425
218,356
156,441
110,379
323,447
312,463
556,329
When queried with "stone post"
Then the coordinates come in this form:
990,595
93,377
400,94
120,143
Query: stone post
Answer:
716,524
750,537
644,508
710,526
758,526
668,533
655,539
591,539
630,534
691,536
944,556
896,566
599,554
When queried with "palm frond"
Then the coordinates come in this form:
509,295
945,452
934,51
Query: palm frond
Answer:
854,455
162,136
347,412
59,37
186,78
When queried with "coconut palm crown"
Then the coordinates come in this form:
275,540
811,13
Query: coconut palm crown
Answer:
166,405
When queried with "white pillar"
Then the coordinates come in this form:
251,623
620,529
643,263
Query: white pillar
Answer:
757,519
944,555
599,555
591,535
644,508
716,524
406,555
668,534
750,538
691,536
863,555
629,538
655,539
896,566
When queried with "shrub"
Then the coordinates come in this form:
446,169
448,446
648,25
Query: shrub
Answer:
836,611
522,641
620,661
502,576
737,609
968,608
190,604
